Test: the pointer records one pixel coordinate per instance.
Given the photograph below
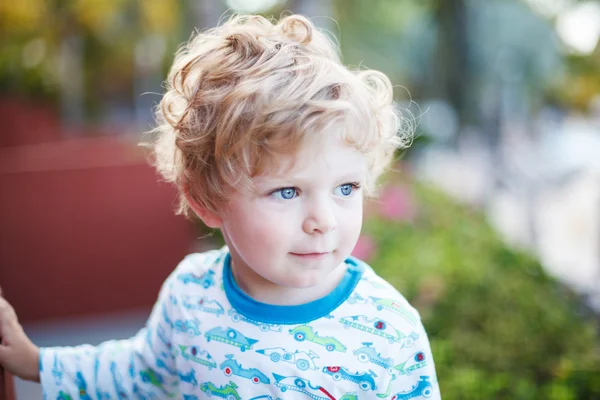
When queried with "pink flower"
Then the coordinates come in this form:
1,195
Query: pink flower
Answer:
396,203
365,248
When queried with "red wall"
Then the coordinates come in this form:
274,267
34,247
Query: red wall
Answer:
85,227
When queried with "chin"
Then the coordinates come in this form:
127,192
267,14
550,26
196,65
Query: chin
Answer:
306,279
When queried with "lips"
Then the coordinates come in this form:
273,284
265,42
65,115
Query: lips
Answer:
309,253
310,256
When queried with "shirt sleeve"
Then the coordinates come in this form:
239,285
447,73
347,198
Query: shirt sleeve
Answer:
413,375
139,367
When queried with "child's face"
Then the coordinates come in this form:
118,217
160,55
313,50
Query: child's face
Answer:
303,221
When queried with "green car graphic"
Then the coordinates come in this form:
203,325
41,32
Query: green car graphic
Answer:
226,391
305,332
395,307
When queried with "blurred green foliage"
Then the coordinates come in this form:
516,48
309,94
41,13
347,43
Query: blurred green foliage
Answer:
500,327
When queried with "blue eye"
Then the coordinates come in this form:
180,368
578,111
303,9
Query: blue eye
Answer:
285,193
346,189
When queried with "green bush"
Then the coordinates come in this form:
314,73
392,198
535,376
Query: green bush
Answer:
499,326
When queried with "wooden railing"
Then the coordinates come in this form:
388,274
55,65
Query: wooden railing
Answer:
7,388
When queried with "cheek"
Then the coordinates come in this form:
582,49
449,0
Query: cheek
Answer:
261,230
351,223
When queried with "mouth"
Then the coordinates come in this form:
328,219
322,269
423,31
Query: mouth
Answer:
311,256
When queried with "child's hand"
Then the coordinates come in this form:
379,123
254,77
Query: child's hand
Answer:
18,355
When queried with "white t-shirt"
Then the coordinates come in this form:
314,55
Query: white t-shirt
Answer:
206,338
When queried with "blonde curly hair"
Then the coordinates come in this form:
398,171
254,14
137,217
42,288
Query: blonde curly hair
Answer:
241,93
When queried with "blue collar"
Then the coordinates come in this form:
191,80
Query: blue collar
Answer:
288,315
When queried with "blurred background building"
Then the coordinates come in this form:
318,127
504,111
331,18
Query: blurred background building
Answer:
504,96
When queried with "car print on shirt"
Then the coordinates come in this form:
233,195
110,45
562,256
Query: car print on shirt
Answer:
57,370
230,336
378,327
117,381
152,377
416,361
189,326
160,363
265,397
231,367
189,377
141,394
82,386
196,355
365,380
204,304
227,392
356,298
372,283
395,307
237,317
305,332
422,388
162,336
349,396
99,394
302,385
64,396
301,359
205,280
166,317
369,354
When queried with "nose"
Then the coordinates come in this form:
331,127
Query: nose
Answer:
320,217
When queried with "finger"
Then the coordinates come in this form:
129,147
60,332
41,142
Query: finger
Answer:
7,313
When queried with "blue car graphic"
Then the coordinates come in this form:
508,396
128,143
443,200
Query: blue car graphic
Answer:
166,317
230,336
57,370
356,298
118,381
205,280
302,385
160,363
231,367
301,359
142,394
162,336
189,326
99,394
204,304
189,377
422,388
365,380
379,327
196,355
369,354
237,317
82,386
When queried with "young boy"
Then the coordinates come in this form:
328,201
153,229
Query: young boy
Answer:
271,140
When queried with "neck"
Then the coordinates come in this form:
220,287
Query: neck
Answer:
265,291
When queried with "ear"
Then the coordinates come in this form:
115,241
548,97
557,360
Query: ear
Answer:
210,219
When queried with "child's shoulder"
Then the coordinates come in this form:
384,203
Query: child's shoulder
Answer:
375,295
203,269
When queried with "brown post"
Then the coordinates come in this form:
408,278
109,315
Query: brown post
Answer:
7,388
